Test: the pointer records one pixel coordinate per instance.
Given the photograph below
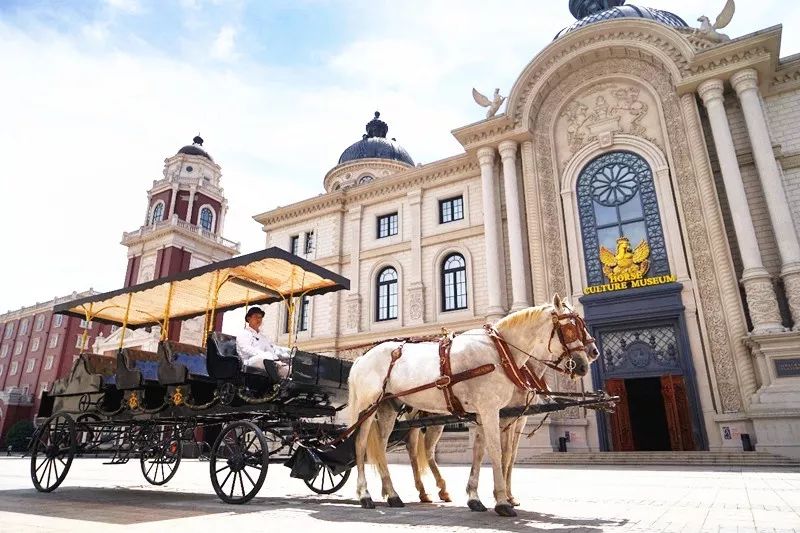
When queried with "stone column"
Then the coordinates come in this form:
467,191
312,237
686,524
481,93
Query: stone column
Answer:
538,269
352,323
519,281
745,82
223,213
757,282
192,192
172,199
416,288
491,216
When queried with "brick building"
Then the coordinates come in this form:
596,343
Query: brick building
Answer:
36,348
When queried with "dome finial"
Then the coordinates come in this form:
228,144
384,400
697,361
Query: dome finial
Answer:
584,8
198,140
376,127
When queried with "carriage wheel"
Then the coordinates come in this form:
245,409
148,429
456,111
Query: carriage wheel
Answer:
52,452
326,482
239,462
160,461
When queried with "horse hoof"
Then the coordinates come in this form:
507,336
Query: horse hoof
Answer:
423,498
444,496
367,503
514,502
476,505
395,501
504,509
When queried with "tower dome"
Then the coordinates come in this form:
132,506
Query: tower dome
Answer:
590,11
196,148
374,144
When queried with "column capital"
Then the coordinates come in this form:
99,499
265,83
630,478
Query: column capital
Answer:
744,80
486,155
711,90
508,149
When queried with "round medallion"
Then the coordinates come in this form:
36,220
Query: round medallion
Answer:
614,185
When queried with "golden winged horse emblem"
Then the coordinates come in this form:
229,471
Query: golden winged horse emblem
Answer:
625,264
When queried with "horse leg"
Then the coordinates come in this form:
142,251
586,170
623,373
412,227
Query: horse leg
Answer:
385,420
490,420
412,447
510,456
478,450
361,458
432,436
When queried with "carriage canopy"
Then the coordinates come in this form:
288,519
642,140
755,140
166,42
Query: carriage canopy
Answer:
263,277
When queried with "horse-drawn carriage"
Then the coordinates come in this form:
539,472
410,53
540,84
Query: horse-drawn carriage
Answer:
147,405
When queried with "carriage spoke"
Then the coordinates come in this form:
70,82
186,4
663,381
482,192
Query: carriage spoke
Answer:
248,477
241,484
152,464
233,484
49,465
221,469
44,462
222,485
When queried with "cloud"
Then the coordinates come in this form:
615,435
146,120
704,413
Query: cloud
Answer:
224,45
128,6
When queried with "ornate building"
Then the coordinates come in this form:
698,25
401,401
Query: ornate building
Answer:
182,229
646,169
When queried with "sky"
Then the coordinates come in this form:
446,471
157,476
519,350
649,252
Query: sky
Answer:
94,95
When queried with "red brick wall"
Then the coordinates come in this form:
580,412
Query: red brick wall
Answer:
132,273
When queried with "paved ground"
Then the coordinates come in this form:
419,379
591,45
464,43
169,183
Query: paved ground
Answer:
109,498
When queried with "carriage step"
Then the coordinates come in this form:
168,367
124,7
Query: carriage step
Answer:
119,462
708,459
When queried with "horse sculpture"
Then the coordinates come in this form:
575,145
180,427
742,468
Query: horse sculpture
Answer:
473,382
421,446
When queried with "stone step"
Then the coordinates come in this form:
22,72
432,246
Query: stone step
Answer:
756,459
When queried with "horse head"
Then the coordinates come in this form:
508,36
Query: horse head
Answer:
569,329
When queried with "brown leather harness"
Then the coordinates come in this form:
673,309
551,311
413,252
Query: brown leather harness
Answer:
522,378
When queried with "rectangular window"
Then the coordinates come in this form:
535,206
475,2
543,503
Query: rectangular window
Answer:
48,363
4,350
23,327
18,348
79,342
35,344
301,316
13,369
54,341
29,366
309,242
86,325
58,320
39,323
387,225
451,209
294,244
1,370
9,330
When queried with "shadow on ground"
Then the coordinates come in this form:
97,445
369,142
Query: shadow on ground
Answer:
126,506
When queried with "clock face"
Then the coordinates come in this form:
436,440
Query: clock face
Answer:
189,169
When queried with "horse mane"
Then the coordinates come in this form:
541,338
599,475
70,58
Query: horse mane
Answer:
524,315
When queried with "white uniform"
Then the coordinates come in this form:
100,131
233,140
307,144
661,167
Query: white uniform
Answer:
254,347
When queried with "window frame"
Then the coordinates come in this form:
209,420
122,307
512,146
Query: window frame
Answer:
79,342
48,362
30,365
12,369
4,351
23,326
308,247
53,341
302,316
388,218
58,321
450,201
17,347
151,219
35,344
453,272
200,218
294,244
379,284
9,330
38,324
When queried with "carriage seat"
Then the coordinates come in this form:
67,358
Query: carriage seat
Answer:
224,363
135,367
179,363
102,365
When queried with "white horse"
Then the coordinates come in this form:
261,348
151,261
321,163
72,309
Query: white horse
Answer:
530,333
421,446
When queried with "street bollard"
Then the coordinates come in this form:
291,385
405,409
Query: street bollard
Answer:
747,445
562,444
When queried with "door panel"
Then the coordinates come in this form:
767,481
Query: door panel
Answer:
620,420
676,406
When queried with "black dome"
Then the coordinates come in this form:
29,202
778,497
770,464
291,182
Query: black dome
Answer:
195,148
593,11
374,144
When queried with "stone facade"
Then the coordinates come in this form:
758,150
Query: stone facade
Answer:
715,124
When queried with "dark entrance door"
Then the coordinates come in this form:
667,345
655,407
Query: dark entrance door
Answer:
652,414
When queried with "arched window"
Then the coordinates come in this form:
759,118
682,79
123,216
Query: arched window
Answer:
364,179
207,219
454,283
617,198
158,213
386,302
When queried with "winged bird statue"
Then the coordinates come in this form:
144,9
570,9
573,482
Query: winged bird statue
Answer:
493,104
625,264
723,19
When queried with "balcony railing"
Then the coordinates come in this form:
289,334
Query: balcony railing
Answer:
177,222
16,396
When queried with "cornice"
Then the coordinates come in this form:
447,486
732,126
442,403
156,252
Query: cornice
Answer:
40,307
787,75
358,165
455,167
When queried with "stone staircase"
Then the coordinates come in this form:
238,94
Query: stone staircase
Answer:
697,459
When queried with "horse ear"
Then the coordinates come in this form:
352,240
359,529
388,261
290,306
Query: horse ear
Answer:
557,301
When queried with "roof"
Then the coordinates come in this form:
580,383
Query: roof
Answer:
592,15
263,277
375,145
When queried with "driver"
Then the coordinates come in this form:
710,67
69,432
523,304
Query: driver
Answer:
254,347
